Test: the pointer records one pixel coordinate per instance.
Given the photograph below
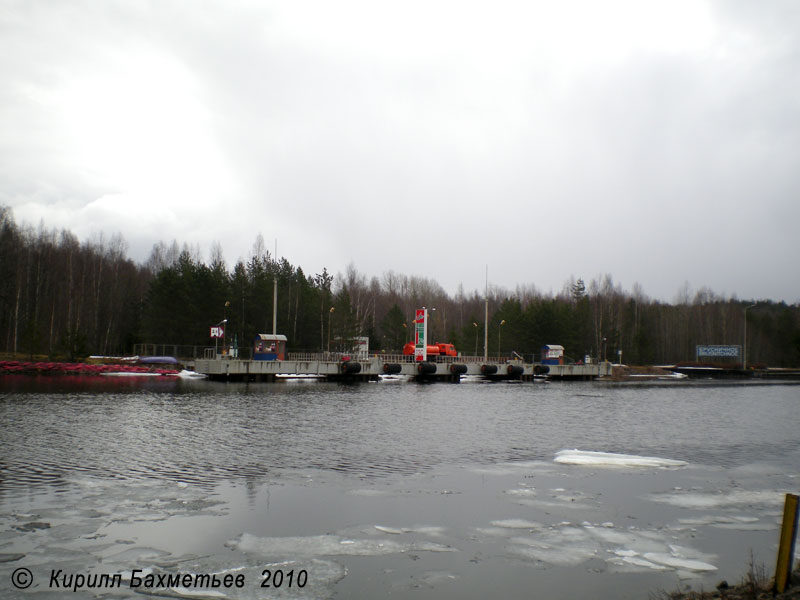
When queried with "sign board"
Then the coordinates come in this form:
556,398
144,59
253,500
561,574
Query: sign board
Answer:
362,345
552,351
421,335
719,351
217,332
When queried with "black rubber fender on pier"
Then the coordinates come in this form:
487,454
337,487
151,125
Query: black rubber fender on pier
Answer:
541,369
514,370
458,369
350,367
488,369
426,368
392,368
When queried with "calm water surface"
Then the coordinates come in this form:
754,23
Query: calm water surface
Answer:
393,488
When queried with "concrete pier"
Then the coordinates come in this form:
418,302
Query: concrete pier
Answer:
371,368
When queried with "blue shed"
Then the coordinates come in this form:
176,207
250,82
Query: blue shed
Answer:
552,354
268,346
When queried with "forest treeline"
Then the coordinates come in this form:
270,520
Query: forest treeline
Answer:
63,298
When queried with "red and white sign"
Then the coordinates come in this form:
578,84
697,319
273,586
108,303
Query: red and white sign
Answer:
217,332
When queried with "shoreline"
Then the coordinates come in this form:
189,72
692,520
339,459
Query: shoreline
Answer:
755,585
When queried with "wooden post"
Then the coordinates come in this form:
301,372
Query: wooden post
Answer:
783,572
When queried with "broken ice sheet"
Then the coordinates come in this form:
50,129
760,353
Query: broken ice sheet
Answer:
739,523
555,500
569,545
554,551
328,545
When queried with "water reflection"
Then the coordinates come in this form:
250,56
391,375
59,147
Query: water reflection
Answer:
205,433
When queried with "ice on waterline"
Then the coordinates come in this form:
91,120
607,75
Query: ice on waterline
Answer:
610,459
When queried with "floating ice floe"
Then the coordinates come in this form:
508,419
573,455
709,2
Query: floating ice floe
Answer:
322,575
328,545
390,530
636,561
517,524
184,374
524,492
719,499
679,558
729,522
557,500
627,549
677,562
369,492
610,459
570,550
423,529
388,378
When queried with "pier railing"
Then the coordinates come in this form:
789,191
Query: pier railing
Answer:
186,352
392,358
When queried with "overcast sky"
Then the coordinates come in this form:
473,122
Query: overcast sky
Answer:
655,141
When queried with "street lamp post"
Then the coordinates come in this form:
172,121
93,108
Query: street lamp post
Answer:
475,325
604,349
499,331
744,349
224,320
330,313
216,338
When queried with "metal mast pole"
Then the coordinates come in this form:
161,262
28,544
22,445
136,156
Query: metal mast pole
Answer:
275,292
486,321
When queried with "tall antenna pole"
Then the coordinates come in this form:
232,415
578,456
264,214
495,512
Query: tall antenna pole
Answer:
486,321
275,292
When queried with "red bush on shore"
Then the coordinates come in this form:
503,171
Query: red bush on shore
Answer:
62,368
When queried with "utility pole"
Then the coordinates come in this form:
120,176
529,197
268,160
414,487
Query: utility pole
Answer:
744,350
